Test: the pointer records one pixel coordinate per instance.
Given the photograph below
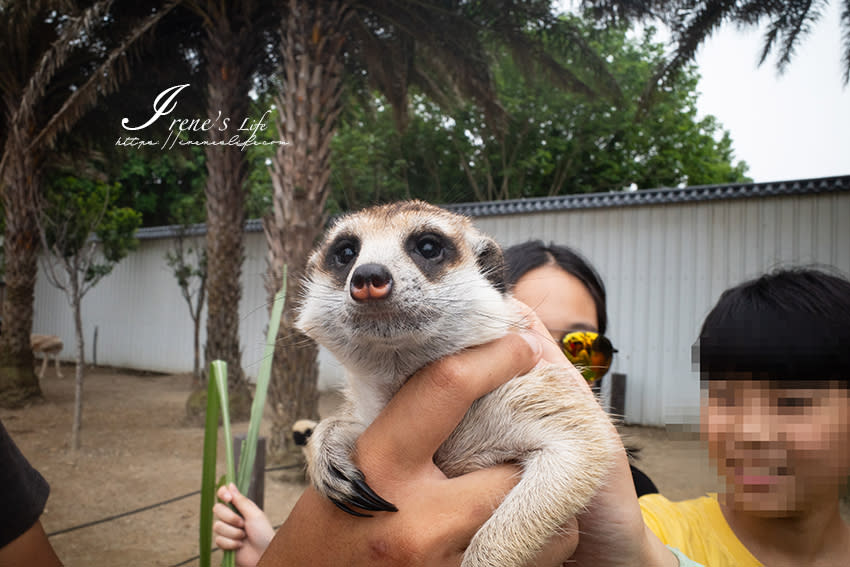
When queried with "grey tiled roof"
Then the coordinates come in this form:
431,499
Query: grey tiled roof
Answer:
169,231
598,200
655,196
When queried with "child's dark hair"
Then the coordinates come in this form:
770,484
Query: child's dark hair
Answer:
792,324
522,258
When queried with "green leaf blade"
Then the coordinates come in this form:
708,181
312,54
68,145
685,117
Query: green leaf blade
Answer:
208,479
249,449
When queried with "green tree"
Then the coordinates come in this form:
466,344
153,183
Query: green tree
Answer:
188,262
159,183
553,141
75,211
559,142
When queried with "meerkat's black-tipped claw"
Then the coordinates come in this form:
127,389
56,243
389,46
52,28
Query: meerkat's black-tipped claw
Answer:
348,510
361,495
367,493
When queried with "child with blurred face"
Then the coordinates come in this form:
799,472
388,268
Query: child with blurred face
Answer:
774,357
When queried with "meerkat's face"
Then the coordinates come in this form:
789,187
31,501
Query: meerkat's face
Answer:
401,275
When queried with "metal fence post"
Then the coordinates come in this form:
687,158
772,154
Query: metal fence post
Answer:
618,397
257,488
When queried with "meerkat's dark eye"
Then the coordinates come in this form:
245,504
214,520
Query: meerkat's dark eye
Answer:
429,247
344,252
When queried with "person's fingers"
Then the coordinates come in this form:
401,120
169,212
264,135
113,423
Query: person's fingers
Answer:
228,516
227,544
432,402
551,350
228,531
224,494
474,497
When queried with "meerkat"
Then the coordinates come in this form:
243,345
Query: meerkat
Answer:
395,287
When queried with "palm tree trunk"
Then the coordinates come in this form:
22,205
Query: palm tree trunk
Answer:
18,381
228,87
309,105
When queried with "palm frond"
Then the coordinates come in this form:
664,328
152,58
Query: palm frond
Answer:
752,12
691,29
592,75
626,11
445,44
57,54
792,23
103,80
693,21
389,61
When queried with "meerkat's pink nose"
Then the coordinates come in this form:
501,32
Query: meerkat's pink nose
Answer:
371,281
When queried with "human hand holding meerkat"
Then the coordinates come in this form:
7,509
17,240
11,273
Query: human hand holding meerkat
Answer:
446,513
409,289
438,516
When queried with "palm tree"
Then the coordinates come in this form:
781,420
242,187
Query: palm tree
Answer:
692,22
54,68
235,49
438,47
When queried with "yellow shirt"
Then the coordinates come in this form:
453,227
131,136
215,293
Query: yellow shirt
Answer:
698,529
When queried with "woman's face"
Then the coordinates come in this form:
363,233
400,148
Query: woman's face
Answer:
561,301
783,448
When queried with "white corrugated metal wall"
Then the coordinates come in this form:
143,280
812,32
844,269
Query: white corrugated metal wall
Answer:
664,266
143,321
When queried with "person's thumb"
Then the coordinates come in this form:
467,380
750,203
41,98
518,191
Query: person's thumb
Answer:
243,504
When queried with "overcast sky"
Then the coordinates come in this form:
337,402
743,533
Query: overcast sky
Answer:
790,126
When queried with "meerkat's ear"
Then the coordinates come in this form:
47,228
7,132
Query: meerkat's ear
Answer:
491,262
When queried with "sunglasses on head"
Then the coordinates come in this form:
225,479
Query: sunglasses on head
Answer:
590,352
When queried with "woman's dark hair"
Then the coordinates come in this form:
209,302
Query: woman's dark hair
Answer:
792,324
522,258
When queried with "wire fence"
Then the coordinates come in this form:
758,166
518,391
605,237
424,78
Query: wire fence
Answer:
196,557
122,515
151,507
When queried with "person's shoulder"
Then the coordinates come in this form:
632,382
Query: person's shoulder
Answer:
671,520
661,502
697,528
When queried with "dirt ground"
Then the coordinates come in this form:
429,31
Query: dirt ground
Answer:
136,452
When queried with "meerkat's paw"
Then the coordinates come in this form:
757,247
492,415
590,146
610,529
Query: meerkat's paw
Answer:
335,476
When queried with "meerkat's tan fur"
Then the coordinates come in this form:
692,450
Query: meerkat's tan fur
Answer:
395,287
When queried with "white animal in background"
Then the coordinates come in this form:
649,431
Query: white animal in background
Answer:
47,345
395,287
